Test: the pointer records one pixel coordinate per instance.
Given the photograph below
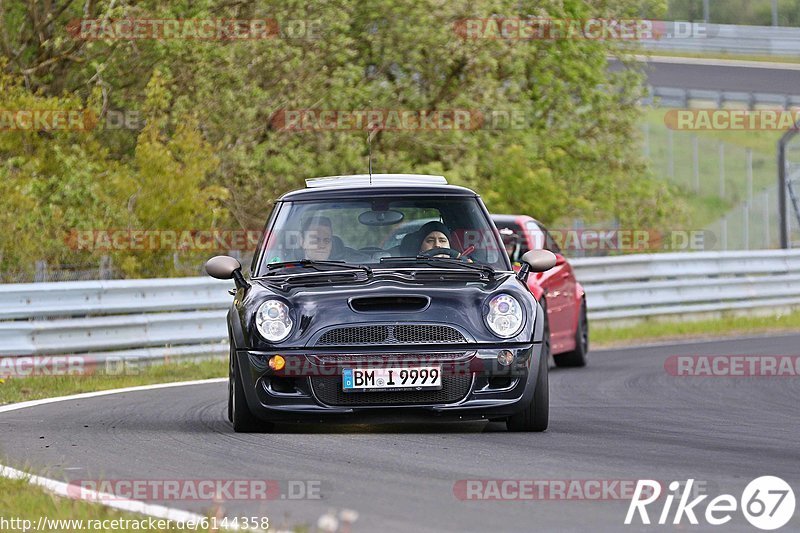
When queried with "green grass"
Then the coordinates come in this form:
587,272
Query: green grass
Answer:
21,500
35,387
704,204
762,143
610,336
723,55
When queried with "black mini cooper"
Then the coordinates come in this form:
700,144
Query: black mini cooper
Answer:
384,298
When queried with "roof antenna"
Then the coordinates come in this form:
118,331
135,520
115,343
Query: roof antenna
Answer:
370,135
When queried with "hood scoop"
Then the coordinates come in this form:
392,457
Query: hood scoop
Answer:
389,304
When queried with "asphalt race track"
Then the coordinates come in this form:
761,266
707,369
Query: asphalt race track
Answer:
621,418
719,77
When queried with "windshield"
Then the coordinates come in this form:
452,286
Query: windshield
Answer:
366,231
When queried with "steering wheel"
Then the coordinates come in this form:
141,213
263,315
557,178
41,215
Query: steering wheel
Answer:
449,252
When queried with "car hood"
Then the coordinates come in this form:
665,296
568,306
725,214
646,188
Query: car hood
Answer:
389,299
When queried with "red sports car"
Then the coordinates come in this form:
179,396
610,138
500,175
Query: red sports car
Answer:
564,300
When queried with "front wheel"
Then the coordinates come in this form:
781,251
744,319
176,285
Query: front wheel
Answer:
238,411
536,416
578,356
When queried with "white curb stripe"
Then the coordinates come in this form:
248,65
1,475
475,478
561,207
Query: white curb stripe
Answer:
109,500
45,401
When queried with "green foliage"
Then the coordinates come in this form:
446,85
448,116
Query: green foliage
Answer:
751,12
209,156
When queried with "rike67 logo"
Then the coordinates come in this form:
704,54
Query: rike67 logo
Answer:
767,502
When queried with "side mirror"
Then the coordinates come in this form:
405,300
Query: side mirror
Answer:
536,261
560,259
226,267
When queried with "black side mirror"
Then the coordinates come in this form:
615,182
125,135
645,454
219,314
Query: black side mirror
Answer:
226,267
536,261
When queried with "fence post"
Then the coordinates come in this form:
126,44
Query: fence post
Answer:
724,236
41,272
766,218
746,223
696,163
106,269
749,154
671,154
722,170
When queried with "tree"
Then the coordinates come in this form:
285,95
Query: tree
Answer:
210,153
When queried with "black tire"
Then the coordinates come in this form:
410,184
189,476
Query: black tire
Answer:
238,411
536,416
578,356
230,386
547,349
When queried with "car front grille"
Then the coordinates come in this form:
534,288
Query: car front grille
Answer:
391,334
391,357
329,391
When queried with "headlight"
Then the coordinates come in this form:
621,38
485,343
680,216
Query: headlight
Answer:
505,317
273,321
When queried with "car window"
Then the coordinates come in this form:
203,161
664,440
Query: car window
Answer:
542,238
364,231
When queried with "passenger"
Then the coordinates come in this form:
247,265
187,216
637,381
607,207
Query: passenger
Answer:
317,238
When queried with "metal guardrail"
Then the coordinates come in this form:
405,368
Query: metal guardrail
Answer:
185,317
688,98
654,285
110,319
728,39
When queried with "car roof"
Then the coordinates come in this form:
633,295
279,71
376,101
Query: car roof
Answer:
358,185
514,219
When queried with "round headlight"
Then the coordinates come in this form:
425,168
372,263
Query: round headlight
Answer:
273,321
505,317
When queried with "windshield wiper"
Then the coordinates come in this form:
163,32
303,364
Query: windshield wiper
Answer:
319,266
456,264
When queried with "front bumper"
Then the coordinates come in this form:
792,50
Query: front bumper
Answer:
475,385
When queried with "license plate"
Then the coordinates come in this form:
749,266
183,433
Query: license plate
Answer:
392,379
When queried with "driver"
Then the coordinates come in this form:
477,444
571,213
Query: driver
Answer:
317,238
434,235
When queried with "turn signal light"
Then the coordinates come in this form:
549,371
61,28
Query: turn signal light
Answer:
277,362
